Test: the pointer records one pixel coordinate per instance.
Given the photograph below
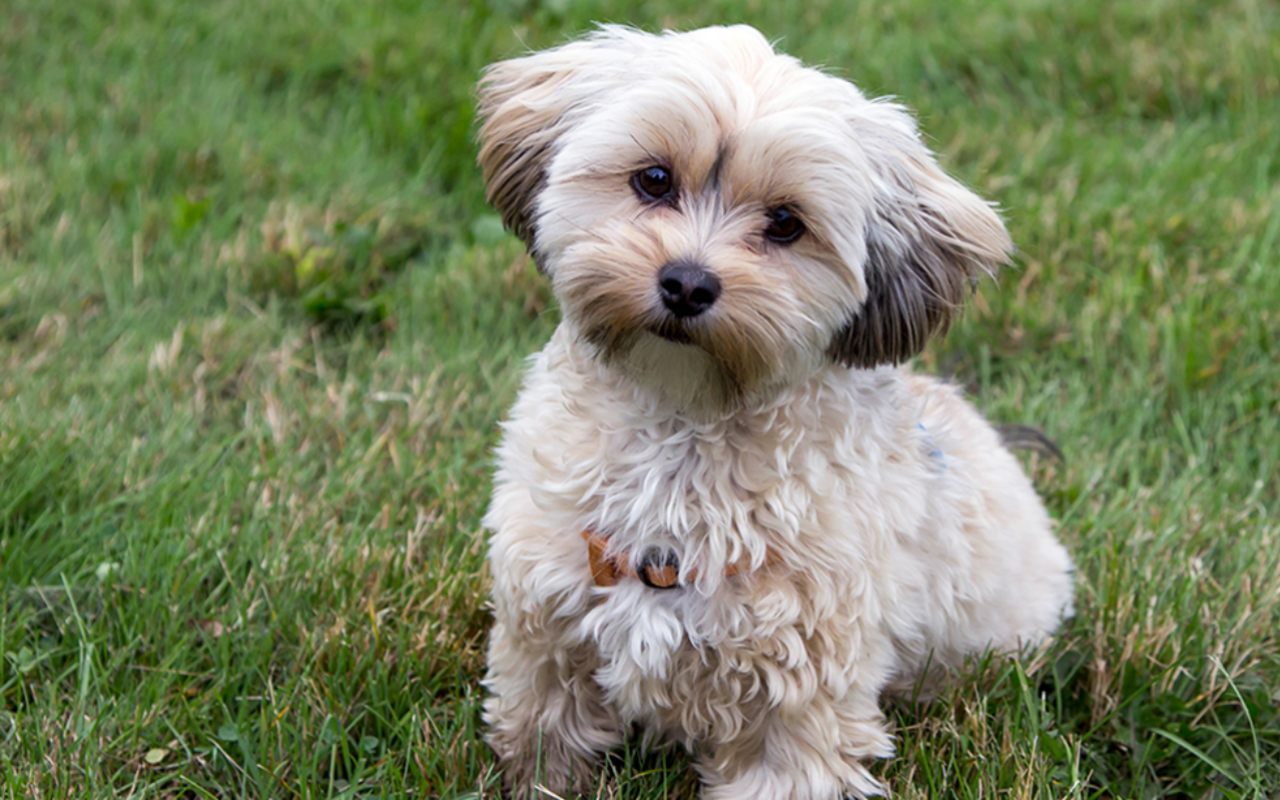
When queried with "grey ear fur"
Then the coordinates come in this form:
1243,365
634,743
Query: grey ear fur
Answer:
928,241
526,104
519,125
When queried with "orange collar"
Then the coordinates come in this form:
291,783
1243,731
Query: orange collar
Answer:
657,572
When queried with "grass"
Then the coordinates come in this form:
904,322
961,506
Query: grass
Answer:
257,327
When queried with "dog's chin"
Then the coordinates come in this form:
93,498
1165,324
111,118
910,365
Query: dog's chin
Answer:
688,363
668,361
672,331
614,339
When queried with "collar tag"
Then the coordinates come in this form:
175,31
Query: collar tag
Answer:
659,568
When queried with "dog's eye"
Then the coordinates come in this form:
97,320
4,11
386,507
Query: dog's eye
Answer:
784,226
653,184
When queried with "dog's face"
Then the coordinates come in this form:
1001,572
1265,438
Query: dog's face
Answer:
698,193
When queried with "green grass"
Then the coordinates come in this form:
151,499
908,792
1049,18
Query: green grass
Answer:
257,327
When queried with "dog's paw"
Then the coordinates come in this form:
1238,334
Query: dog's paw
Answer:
536,782
547,763
809,782
861,785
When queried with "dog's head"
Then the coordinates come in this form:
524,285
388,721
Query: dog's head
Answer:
698,192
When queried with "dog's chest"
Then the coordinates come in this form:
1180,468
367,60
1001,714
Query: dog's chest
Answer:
708,495
720,501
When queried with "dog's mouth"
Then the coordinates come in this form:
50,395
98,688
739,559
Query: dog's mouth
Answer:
671,331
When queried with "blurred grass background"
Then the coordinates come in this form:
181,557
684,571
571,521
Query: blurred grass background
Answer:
257,327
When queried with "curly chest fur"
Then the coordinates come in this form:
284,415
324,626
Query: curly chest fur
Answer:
697,667
756,494
805,498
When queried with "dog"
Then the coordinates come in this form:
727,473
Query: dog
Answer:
724,511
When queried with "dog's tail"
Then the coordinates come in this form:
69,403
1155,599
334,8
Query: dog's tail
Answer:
1025,437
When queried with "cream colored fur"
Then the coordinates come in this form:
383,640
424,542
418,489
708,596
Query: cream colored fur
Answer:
903,534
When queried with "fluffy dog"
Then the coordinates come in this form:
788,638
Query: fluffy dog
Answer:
723,512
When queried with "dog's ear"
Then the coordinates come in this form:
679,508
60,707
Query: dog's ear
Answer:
526,104
927,241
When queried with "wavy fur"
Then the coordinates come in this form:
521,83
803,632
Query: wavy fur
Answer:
902,533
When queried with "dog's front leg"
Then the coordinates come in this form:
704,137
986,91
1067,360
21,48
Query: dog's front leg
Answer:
811,752
546,720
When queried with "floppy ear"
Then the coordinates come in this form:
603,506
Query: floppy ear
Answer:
526,104
928,240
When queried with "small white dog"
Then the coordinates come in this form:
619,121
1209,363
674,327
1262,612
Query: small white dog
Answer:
722,512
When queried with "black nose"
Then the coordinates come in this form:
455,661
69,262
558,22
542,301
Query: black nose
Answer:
687,289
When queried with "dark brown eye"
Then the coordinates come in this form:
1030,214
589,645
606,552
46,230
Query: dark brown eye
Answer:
784,226
653,184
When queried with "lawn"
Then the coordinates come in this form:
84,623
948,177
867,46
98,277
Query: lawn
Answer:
257,328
